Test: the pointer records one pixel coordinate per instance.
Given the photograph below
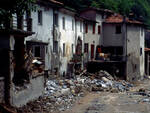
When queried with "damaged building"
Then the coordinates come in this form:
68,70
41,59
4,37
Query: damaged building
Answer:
57,39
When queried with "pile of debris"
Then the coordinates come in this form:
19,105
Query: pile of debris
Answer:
60,94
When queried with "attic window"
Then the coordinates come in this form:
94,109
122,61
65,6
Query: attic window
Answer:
118,29
40,17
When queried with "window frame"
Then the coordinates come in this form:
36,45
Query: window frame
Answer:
40,17
63,23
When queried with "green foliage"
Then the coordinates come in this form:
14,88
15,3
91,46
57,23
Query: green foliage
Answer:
140,9
10,7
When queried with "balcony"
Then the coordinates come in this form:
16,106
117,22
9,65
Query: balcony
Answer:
22,23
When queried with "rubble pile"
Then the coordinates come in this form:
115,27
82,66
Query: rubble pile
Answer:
60,94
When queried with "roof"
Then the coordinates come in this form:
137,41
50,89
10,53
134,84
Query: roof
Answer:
117,18
98,10
57,2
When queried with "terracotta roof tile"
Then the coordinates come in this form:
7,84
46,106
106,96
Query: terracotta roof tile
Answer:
117,18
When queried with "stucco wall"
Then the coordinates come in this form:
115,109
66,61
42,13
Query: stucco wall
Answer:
110,38
135,60
43,32
67,37
34,89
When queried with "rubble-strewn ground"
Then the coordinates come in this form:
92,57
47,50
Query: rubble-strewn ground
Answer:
137,100
91,93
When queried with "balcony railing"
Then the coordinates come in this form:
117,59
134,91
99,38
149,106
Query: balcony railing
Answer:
22,23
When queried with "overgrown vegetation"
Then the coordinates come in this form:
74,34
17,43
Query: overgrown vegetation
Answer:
138,9
9,7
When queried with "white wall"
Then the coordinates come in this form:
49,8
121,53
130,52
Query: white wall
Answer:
43,32
135,60
67,37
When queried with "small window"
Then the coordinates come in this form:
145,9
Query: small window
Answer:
142,31
141,51
46,49
86,28
37,51
64,49
80,26
40,17
118,29
72,48
93,28
99,29
63,22
56,19
55,47
72,25
86,48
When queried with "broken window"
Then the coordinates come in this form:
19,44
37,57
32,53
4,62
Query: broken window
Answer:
63,22
55,47
118,29
64,49
94,28
86,48
40,17
55,19
99,29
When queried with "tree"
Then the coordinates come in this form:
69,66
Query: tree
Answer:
10,7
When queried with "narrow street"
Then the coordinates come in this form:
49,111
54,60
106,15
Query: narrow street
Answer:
105,102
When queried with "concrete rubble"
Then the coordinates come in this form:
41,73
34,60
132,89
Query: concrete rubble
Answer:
61,94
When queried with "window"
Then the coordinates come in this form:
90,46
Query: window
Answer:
118,29
80,26
64,51
141,51
72,25
55,47
72,48
37,51
56,19
86,28
99,29
63,22
142,31
86,48
94,28
40,17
